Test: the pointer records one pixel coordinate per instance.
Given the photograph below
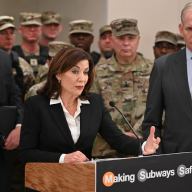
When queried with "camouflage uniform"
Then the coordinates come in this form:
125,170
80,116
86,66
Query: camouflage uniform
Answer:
102,60
127,86
33,90
40,81
41,73
28,76
39,56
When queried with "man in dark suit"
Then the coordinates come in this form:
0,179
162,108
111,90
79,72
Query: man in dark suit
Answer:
9,95
170,92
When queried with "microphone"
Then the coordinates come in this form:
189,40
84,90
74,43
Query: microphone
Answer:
112,104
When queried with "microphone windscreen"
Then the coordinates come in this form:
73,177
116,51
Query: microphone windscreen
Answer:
112,104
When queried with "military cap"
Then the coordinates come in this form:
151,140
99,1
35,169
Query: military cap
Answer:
81,26
104,29
124,27
166,36
27,18
56,46
180,40
6,22
49,17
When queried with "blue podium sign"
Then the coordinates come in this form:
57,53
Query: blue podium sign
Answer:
159,173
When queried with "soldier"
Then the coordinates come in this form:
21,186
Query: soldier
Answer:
81,35
123,79
165,42
51,27
30,31
54,47
104,44
22,71
180,42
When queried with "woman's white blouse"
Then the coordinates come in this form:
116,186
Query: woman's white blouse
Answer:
73,121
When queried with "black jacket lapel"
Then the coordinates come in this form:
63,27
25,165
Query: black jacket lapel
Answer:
61,122
84,122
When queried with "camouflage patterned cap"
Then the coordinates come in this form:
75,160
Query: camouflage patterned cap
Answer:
56,46
105,28
124,27
27,18
81,26
6,22
50,17
166,36
180,39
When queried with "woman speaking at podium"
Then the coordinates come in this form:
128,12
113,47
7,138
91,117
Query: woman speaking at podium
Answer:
61,122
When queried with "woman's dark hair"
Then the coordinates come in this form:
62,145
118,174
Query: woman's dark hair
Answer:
63,61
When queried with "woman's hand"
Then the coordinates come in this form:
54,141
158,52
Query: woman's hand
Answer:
152,143
75,157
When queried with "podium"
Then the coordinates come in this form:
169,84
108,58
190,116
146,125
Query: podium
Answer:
55,177
171,172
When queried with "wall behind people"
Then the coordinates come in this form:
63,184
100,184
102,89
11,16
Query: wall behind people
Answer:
69,10
152,16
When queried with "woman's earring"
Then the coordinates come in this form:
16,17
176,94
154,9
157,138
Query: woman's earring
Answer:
59,81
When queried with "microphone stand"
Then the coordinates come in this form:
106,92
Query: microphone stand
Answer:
112,104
